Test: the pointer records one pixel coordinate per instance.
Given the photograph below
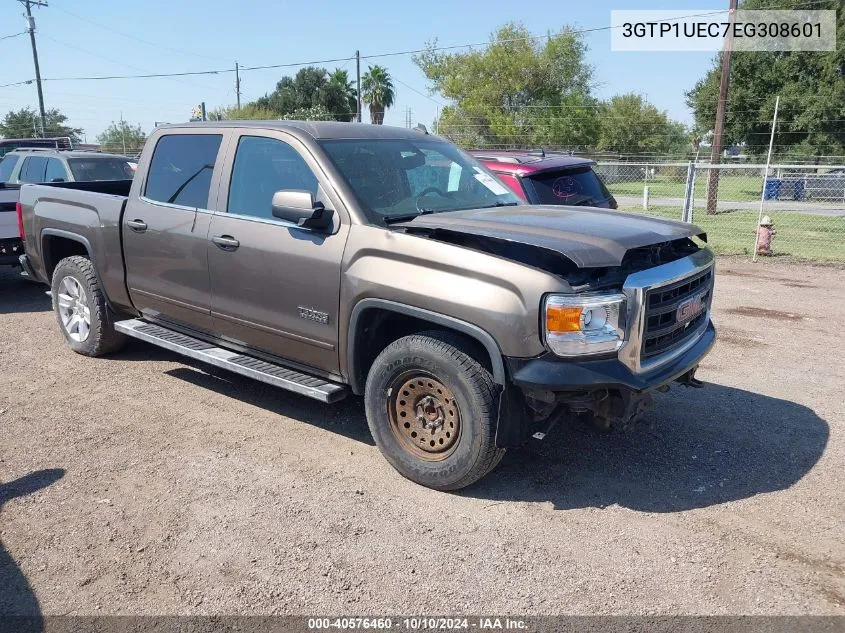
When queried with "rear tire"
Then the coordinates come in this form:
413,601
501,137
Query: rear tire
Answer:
432,410
81,309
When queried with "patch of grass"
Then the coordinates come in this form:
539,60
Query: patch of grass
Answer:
736,188
802,236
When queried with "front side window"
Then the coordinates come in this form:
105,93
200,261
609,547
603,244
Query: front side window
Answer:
55,171
7,166
262,167
398,178
181,168
100,168
33,169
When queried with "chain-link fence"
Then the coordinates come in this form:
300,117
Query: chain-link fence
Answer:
805,204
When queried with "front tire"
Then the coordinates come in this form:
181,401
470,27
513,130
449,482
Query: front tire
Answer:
432,411
81,309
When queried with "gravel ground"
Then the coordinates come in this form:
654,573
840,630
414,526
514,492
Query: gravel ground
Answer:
142,484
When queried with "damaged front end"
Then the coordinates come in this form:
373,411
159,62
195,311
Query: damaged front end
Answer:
526,411
665,332
632,318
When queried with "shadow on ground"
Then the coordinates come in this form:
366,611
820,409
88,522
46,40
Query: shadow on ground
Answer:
16,596
344,418
698,448
21,295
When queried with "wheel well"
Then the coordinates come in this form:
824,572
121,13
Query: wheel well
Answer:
376,328
56,248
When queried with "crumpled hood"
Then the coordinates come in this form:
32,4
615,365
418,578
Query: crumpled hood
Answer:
590,237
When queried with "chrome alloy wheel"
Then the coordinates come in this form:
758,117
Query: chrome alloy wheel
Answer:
74,310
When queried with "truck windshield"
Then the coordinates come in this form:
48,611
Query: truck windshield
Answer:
394,178
100,168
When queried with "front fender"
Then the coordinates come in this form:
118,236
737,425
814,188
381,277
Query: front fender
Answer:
490,294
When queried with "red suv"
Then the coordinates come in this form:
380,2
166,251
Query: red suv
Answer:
541,178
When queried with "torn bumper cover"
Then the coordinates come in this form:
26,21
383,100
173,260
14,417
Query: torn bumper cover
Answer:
606,388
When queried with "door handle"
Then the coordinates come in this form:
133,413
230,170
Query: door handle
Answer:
139,226
226,242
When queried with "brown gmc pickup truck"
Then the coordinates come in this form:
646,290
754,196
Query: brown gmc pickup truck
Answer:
329,258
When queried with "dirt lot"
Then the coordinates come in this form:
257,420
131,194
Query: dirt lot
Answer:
152,485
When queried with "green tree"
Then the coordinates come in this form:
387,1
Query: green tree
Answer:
347,91
249,112
253,112
310,87
811,86
26,123
377,92
120,136
517,91
314,113
629,125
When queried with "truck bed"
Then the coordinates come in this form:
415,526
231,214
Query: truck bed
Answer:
86,212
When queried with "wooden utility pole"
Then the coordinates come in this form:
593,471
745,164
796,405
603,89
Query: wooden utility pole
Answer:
30,25
123,132
719,128
238,84
358,81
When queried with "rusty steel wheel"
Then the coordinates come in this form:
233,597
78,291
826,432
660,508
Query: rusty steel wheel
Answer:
412,395
424,415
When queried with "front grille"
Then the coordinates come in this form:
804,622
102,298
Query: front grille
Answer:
663,331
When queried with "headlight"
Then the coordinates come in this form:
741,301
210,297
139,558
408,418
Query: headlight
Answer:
575,325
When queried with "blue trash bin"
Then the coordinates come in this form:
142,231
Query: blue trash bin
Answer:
772,189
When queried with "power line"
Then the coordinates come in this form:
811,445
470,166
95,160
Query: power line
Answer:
335,59
145,76
528,38
120,63
412,89
344,59
8,37
16,83
134,37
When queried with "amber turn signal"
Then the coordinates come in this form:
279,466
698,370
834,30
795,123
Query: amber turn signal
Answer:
563,318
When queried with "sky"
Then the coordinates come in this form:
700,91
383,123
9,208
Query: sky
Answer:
99,37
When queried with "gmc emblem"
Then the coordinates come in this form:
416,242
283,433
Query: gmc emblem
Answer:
689,309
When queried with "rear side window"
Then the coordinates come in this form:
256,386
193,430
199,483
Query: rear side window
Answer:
573,186
7,166
181,168
33,169
55,171
100,169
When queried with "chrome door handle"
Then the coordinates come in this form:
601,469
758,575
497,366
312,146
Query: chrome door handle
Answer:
139,226
226,242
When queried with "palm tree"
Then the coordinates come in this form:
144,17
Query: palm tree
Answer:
347,89
378,92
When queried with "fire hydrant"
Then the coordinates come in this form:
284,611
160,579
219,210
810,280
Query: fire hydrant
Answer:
765,234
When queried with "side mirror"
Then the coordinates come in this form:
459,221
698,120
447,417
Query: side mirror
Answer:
299,207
